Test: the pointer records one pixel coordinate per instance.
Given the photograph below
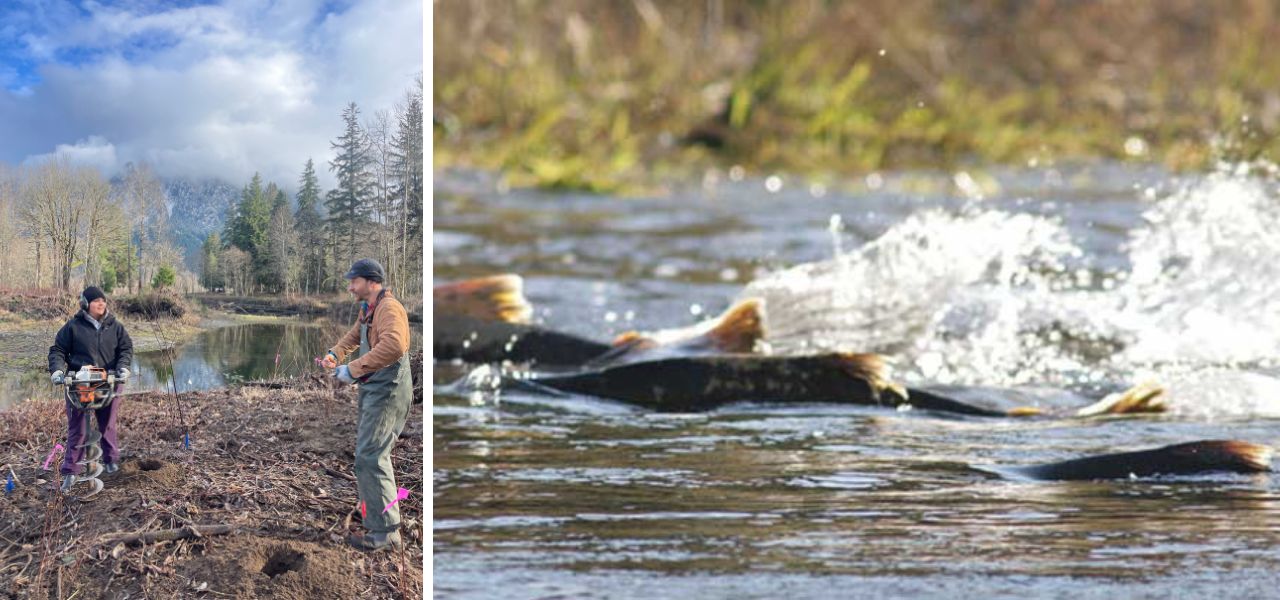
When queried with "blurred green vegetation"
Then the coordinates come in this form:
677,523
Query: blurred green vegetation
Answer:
610,95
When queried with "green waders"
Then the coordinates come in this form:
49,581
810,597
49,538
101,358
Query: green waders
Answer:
384,401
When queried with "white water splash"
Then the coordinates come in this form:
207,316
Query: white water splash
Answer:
983,298
944,290
1205,282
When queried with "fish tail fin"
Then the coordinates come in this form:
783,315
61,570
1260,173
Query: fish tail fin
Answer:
1246,456
493,298
1146,397
873,369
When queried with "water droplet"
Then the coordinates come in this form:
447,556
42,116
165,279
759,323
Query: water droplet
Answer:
773,183
1135,146
817,190
695,309
666,270
835,224
874,181
610,317
736,173
882,52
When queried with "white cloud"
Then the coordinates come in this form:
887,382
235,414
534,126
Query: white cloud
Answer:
212,90
95,151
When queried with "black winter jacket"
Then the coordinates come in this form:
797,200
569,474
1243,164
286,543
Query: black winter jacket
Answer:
79,343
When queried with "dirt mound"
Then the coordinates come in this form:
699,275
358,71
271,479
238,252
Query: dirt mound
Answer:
259,567
145,472
258,507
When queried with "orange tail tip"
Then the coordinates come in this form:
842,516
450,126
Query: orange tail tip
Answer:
872,369
1025,411
1256,456
627,337
633,340
494,298
1146,397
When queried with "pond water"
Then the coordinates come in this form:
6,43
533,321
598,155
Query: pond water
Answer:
233,354
1080,278
215,358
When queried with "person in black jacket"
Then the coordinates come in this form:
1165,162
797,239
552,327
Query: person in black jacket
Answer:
91,338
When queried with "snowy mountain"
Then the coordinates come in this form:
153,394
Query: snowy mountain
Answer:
196,209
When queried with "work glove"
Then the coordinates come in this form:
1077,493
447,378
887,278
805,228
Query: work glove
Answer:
57,377
343,373
122,373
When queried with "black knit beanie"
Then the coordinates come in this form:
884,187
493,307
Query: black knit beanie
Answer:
90,294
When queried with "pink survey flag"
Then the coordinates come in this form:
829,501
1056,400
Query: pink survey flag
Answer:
401,494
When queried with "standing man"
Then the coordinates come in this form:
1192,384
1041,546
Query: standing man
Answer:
91,338
381,333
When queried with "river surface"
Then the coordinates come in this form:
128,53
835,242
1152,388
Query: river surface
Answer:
1081,280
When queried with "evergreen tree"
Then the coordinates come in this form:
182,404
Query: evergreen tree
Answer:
210,271
408,167
164,277
350,166
247,227
310,229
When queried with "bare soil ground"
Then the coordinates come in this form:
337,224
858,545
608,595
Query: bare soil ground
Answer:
272,463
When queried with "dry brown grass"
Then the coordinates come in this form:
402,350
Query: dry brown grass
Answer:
258,462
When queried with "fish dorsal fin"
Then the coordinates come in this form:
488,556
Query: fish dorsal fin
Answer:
493,298
739,328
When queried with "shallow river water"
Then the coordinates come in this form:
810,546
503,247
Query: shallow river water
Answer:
1081,279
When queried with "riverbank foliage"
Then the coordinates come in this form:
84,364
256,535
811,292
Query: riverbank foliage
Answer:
603,95
153,305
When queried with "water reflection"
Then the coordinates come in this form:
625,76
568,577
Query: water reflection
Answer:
231,354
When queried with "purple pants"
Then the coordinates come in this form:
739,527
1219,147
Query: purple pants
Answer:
77,430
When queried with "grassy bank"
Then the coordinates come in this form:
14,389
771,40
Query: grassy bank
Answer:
607,96
272,465
339,308
30,320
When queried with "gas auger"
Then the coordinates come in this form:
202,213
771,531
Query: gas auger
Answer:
87,390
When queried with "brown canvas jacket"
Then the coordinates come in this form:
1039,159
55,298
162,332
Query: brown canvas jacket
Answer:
388,338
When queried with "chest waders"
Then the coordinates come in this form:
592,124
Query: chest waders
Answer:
384,399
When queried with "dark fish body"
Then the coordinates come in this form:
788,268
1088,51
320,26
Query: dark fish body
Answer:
457,337
486,320
692,384
1190,458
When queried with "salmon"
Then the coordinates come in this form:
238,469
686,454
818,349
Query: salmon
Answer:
1190,458
701,383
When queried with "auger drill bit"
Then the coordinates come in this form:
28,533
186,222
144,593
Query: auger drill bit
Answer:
92,467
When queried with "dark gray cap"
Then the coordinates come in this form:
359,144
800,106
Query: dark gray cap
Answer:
368,269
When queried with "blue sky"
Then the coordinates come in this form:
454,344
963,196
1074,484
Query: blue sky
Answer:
195,88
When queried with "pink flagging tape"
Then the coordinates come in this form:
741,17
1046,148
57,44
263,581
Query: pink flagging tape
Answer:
49,459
